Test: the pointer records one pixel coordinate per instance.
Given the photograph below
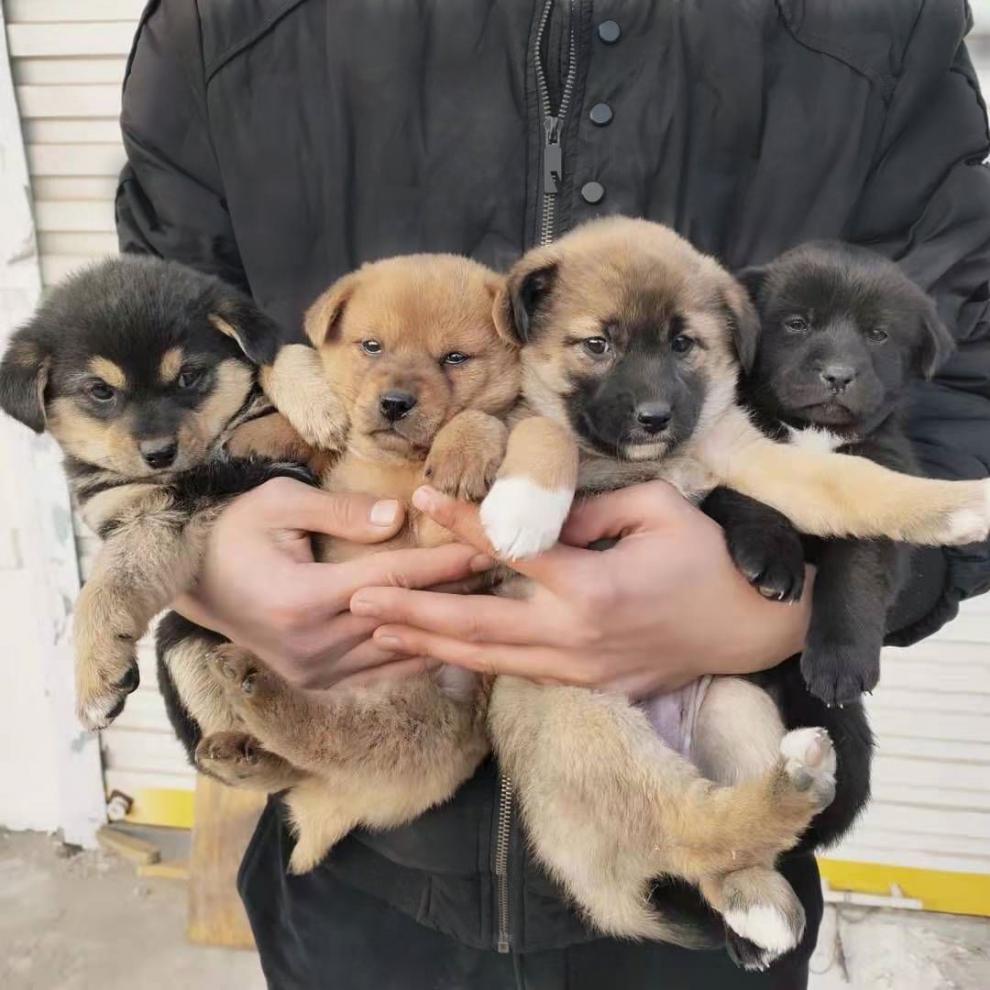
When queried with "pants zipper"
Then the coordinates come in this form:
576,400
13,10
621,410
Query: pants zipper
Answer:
553,174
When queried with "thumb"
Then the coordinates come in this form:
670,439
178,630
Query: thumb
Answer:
621,513
363,518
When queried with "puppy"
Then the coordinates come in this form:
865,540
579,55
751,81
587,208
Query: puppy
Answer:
631,345
410,350
145,374
844,333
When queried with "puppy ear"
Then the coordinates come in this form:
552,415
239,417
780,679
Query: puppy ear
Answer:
936,341
23,379
752,280
323,317
257,335
744,323
527,287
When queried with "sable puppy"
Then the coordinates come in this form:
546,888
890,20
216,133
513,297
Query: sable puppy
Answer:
631,345
410,351
144,373
844,334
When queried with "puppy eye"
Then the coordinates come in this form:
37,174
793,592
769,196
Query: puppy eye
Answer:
682,343
454,357
371,346
100,391
877,335
796,324
596,346
189,377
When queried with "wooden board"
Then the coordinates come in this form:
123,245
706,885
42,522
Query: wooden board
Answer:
225,821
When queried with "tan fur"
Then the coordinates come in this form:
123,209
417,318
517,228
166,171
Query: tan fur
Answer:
382,755
270,436
608,806
107,370
170,365
542,450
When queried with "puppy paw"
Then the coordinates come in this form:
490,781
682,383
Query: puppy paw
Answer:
838,674
521,519
771,559
972,524
243,679
464,472
105,675
809,762
758,933
239,760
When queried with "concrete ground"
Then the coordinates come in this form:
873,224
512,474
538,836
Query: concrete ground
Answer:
87,921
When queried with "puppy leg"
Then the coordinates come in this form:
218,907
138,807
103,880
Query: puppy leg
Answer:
144,564
828,494
526,508
410,731
609,806
738,736
239,760
854,589
297,385
465,455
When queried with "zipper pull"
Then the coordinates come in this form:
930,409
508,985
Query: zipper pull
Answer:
553,156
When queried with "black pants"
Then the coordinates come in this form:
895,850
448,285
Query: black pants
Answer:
318,933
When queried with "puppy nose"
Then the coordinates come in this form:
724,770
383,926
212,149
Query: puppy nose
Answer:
654,417
396,405
158,453
838,377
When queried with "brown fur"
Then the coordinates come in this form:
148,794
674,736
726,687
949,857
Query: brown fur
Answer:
608,805
380,755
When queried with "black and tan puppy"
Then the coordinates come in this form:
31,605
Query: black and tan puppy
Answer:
145,374
844,334
632,344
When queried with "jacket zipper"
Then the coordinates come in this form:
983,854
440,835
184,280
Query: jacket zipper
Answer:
553,122
503,832
553,174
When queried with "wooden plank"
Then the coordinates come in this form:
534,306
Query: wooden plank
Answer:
225,822
920,723
165,800
934,650
87,243
933,795
935,749
929,821
56,11
131,847
906,843
75,159
926,676
173,869
59,130
69,215
937,700
957,774
60,39
153,749
68,101
63,71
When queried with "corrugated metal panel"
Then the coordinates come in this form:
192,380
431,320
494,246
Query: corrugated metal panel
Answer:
68,59
932,804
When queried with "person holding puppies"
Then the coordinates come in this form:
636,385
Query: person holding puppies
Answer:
281,144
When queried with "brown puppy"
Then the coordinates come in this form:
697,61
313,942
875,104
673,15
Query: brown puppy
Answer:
409,348
631,348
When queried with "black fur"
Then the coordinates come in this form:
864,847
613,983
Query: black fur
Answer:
831,309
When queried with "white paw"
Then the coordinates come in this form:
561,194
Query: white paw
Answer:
521,519
809,759
768,927
970,525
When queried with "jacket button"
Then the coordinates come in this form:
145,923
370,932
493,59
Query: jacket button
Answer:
601,114
592,192
609,32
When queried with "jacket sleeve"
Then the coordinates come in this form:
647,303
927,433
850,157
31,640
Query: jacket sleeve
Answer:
170,194
927,205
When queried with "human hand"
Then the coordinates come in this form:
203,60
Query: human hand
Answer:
660,608
260,587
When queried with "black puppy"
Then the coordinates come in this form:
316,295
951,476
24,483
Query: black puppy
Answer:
844,333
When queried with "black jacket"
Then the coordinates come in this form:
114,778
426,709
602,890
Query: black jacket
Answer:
279,143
